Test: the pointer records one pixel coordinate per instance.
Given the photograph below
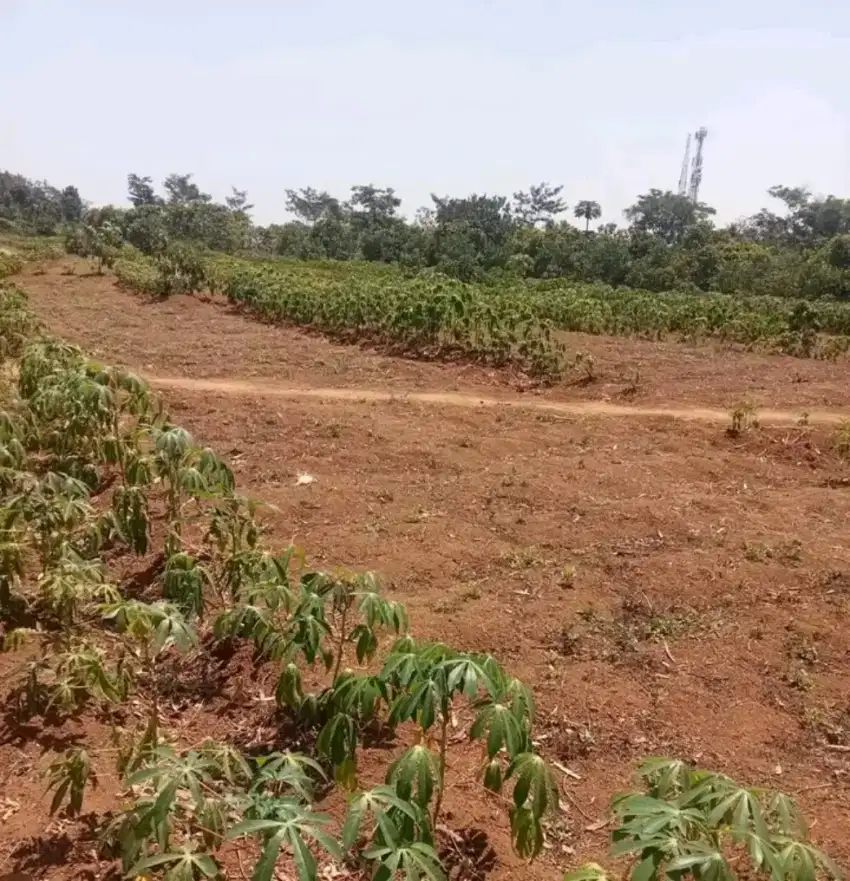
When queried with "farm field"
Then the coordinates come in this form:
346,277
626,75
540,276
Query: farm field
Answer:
664,587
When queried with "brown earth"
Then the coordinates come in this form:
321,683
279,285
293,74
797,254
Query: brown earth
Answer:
664,587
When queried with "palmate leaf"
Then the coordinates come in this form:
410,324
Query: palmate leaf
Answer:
800,861
700,860
337,742
359,696
289,691
416,861
365,642
526,832
666,778
226,762
183,865
493,775
502,730
469,676
216,474
173,443
415,775
283,772
309,629
741,810
403,664
783,815
160,624
185,582
68,778
130,515
421,705
521,700
296,824
376,611
645,817
536,787
381,803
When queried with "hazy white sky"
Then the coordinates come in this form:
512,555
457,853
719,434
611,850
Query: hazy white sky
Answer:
449,96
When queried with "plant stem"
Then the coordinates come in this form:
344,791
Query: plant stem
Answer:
441,770
341,643
119,444
154,720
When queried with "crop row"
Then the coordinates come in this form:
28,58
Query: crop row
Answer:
506,322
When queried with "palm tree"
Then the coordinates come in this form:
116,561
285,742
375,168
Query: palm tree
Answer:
589,211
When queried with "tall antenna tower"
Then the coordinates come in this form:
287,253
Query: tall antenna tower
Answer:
683,177
696,168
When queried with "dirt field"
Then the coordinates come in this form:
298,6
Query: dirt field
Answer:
664,587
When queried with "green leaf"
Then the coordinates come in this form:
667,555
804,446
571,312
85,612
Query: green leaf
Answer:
647,868
536,786
526,833
493,776
415,775
503,729
289,692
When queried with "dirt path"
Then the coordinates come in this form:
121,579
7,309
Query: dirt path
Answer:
566,408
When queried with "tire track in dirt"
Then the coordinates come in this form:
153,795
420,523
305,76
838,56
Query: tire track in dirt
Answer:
455,399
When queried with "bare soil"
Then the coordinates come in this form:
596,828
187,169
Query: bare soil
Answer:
665,587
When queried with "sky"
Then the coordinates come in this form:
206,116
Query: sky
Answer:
448,96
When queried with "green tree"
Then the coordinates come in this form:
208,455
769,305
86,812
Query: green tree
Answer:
310,205
666,215
72,205
588,210
539,205
182,190
237,202
141,192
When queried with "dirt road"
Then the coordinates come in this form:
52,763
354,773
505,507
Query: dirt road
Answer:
565,408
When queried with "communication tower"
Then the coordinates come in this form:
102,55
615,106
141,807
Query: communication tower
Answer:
696,168
683,177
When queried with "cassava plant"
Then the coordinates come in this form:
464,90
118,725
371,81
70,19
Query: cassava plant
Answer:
188,473
148,631
428,681
688,822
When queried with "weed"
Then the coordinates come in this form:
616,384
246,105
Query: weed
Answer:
524,558
789,552
586,366
633,385
829,723
797,676
743,416
841,440
636,622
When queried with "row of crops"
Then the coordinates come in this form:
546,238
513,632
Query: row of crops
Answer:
428,317
509,322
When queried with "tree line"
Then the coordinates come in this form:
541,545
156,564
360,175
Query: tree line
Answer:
666,241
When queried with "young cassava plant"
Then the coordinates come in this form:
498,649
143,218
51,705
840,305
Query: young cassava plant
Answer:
690,822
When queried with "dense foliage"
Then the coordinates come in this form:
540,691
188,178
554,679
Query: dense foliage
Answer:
509,321
668,242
